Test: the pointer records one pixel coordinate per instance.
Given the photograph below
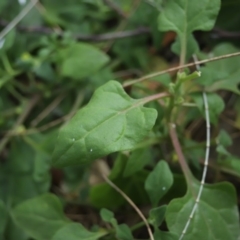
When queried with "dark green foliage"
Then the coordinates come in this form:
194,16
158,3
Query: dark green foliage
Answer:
65,124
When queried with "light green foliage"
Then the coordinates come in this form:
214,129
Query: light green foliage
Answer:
112,121
137,160
157,215
222,74
74,231
107,215
80,60
123,232
186,16
59,109
160,178
215,218
45,211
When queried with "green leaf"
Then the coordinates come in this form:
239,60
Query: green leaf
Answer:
40,217
106,215
21,180
222,74
215,103
184,17
81,60
230,165
112,121
118,166
215,218
224,138
13,232
223,141
158,182
75,231
160,235
123,232
156,216
137,160
103,195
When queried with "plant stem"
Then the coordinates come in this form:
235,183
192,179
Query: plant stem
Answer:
132,204
178,149
137,226
154,97
129,83
183,52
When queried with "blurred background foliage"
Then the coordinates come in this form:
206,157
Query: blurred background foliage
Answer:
50,65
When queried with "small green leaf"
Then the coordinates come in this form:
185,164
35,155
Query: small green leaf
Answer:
230,165
112,121
40,217
156,216
223,141
106,215
184,17
215,218
123,232
137,160
224,138
81,60
158,182
75,231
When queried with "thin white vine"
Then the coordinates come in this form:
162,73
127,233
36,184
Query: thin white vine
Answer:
205,102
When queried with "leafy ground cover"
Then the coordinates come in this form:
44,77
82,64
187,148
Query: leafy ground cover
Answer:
106,131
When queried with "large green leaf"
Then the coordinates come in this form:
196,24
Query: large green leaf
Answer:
112,121
158,182
75,231
215,218
186,16
40,217
222,74
81,60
